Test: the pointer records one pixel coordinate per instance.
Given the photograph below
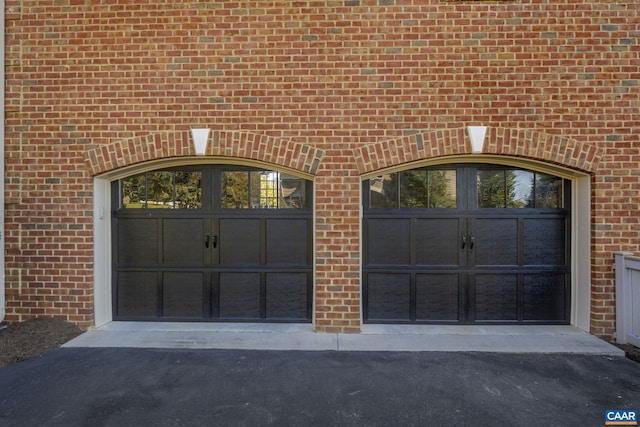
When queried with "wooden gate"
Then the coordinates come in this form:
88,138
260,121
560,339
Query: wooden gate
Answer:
627,298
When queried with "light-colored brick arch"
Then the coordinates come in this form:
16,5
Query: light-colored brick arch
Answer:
522,143
240,145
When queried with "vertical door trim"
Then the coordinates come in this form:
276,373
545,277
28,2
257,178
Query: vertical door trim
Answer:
102,255
581,252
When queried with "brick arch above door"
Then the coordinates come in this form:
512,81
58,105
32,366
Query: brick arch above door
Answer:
241,145
555,149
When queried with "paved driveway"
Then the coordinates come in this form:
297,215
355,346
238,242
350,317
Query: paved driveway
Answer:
186,387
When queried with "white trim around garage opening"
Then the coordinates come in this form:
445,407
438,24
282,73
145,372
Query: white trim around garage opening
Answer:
102,301
580,316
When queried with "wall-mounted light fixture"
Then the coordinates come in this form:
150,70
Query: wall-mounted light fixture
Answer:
200,138
477,134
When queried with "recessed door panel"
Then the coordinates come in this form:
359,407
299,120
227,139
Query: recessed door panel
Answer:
437,296
438,241
182,295
138,241
389,241
183,241
494,241
286,241
137,294
545,296
496,297
286,295
389,296
545,241
240,295
239,242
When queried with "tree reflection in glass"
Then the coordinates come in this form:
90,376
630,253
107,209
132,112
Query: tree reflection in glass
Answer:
163,189
418,188
516,188
548,191
262,190
442,188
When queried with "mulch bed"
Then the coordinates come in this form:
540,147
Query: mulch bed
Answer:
630,351
20,341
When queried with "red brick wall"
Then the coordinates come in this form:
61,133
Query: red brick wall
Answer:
340,77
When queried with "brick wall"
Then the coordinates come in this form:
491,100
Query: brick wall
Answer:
335,77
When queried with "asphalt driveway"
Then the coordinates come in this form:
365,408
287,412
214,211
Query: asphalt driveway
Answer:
178,387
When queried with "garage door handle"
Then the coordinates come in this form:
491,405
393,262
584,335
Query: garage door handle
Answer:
464,241
472,241
208,240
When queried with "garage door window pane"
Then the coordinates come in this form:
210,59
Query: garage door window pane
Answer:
263,187
491,189
521,194
513,188
163,189
134,192
187,190
417,188
235,190
159,189
262,190
293,193
414,190
442,188
548,191
384,191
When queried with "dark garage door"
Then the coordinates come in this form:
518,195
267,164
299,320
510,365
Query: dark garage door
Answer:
466,244
212,243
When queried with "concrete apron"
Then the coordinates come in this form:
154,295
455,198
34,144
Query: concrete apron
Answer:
250,336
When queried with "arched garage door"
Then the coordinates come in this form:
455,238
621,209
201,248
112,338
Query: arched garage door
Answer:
212,243
466,244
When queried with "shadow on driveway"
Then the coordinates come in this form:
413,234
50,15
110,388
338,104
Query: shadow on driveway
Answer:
140,387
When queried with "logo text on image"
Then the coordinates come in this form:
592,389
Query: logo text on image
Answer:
620,417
